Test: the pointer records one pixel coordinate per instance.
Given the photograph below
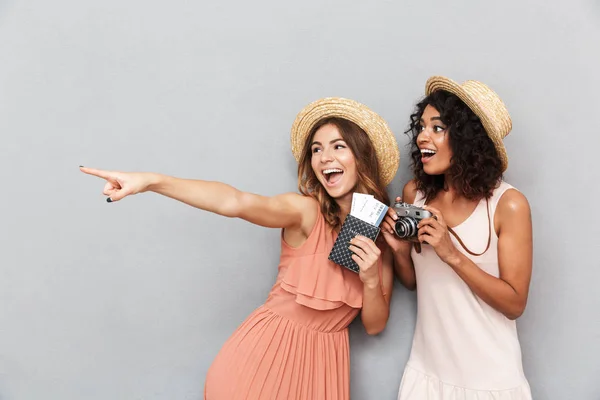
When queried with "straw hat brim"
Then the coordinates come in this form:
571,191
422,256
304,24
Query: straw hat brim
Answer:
384,142
496,127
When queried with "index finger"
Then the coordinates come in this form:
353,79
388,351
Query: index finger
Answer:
431,221
387,224
97,172
437,213
392,213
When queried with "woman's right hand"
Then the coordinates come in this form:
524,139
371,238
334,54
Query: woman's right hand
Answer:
121,184
387,228
403,264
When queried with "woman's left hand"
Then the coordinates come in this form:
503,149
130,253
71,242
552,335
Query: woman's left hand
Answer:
366,254
434,231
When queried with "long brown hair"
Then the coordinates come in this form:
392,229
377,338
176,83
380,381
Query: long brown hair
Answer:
368,182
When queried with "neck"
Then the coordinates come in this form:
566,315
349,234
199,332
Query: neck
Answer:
345,203
450,188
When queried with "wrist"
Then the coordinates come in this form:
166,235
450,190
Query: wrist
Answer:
153,182
372,284
402,256
454,259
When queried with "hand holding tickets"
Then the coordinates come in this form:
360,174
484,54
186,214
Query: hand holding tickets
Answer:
366,213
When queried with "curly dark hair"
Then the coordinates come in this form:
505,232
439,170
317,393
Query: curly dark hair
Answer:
475,168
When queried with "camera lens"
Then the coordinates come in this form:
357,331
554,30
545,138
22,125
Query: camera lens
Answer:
406,227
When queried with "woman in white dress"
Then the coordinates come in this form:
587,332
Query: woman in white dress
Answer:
471,262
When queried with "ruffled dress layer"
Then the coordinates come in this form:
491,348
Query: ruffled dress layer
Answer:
295,346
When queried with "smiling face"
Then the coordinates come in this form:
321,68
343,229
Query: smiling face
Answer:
339,159
450,148
332,162
434,142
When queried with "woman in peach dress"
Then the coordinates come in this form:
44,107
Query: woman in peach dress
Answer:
295,346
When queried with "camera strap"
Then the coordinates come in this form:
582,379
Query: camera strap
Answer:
487,206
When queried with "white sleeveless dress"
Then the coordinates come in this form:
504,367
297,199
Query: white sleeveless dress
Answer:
462,348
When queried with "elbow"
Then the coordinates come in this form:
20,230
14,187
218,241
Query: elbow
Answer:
410,284
232,207
516,311
374,331
512,316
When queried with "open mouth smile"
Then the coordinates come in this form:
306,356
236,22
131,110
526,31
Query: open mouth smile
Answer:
427,154
332,176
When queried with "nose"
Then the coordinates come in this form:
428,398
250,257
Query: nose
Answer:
327,155
423,136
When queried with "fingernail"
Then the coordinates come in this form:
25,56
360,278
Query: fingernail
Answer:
108,200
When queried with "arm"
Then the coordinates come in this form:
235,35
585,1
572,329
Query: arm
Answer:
508,293
401,249
376,298
282,211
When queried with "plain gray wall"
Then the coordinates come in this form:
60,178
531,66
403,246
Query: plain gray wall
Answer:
133,300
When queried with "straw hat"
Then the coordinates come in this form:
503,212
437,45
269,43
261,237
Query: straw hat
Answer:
485,103
384,142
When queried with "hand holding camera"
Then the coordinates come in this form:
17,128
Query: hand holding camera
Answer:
409,223
388,228
434,231
402,221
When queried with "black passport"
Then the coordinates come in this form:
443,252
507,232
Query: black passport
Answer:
352,226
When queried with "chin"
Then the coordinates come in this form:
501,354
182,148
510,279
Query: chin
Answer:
430,170
337,193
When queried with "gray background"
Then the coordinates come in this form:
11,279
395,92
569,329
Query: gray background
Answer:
133,300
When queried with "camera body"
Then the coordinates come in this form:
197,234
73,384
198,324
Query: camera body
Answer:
408,219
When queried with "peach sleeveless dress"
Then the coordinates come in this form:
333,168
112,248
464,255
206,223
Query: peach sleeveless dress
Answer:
295,346
462,348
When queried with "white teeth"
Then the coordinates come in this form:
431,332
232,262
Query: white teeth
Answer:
332,170
428,151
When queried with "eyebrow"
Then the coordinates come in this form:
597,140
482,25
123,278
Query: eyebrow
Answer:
432,119
332,142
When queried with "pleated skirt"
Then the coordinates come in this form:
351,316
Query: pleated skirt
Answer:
271,357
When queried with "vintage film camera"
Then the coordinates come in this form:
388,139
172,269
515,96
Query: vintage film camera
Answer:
408,219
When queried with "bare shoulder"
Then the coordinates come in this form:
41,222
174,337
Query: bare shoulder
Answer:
410,191
299,201
513,210
307,207
513,202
